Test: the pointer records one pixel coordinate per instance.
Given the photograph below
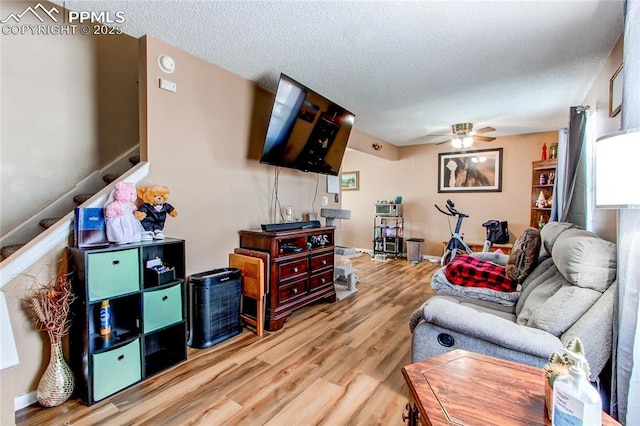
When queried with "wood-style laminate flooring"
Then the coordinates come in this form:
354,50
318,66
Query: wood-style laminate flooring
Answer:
331,364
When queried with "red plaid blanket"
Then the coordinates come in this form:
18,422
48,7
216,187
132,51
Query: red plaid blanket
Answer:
469,271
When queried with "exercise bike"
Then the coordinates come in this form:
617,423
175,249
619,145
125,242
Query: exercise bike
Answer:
456,244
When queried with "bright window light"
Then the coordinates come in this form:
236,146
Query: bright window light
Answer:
616,177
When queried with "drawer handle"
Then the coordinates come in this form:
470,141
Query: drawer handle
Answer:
295,269
324,262
121,357
295,290
115,262
322,280
165,298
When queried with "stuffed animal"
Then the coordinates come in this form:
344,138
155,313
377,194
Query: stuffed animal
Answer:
122,226
153,212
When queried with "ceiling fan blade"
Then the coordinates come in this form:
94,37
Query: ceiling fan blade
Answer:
483,138
485,130
443,142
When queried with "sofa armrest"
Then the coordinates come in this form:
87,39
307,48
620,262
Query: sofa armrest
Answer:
595,330
490,328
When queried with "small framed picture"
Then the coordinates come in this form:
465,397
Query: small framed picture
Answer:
350,181
615,92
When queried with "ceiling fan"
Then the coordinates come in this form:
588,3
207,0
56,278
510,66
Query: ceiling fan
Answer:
464,135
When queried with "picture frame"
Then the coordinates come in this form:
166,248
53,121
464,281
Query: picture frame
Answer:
470,171
350,181
615,92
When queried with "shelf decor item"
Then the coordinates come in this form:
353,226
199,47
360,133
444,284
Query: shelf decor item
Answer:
558,366
57,382
542,186
50,305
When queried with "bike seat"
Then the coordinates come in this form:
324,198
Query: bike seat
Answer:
491,223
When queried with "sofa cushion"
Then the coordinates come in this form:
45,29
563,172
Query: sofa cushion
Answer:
524,255
495,308
550,233
553,305
441,285
585,260
542,272
562,288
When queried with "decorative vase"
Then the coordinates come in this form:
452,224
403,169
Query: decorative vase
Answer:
57,382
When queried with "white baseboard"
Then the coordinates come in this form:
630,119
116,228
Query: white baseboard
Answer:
25,400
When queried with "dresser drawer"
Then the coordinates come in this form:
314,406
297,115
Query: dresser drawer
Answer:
320,280
112,273
292,290
321,261
116,369
293,269
162,307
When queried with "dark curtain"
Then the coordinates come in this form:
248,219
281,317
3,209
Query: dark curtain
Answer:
573,203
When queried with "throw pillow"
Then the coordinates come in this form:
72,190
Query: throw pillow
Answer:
524,255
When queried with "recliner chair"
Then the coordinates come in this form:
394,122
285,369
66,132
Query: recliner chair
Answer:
570,292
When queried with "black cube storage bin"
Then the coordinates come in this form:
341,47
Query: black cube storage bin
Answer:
214,307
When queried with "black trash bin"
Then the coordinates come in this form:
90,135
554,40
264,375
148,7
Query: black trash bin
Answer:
214,307
414,249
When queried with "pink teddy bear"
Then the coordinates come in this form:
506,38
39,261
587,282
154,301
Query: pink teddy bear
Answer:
122,225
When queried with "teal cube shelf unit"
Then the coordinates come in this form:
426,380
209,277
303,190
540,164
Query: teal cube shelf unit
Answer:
148,315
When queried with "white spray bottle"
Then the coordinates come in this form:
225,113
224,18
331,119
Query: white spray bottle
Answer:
575,401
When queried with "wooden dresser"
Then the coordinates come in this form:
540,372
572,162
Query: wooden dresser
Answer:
301,269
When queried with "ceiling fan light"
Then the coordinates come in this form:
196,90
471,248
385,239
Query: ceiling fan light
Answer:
467,141
456,143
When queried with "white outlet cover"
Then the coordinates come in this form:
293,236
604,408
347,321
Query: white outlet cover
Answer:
168,85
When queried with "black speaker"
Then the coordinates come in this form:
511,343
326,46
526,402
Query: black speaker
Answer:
214,307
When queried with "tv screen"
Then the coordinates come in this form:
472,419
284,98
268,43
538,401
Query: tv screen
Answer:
306,131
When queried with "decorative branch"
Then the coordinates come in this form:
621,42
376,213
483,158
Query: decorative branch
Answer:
50,304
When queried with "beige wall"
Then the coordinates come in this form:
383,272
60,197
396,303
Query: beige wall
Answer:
363,142
204,143
604,221
414,177
69,107
32,345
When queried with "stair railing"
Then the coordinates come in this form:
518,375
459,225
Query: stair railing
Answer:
59,232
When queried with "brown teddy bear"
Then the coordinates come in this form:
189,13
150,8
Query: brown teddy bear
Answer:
153,212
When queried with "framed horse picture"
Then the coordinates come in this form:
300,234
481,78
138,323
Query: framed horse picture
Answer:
470,171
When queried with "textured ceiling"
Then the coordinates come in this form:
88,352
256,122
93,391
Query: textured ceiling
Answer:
405,68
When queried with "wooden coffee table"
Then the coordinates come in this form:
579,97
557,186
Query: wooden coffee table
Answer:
465,388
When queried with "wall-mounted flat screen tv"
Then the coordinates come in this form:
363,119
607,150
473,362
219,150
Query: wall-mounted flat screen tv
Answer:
306,131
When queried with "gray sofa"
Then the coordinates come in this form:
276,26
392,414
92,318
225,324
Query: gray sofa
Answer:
570,292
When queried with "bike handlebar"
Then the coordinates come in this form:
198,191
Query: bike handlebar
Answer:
452,210
442,211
